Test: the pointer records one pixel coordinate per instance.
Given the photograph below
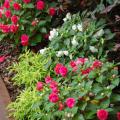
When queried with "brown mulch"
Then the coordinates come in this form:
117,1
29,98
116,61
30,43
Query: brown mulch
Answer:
7,49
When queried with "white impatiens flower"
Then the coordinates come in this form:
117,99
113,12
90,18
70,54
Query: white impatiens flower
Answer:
59,53
66,53
80,27
74,41
74,27
42,51
93,49
53,33
68,17
99,33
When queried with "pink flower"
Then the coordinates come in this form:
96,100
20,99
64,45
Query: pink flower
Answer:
48,79
6,4
53,97
14,19
102,114
34,23
81,61
72,64
97,64
57,68
53,84
5,28
55,90
2,59
40,5
8,13
118,116
16,6
26,1
13,28
39,86
0,14
52,11
70,102
63,71
24,40
61,106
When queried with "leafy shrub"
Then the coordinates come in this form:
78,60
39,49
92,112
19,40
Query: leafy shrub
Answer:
26,17
75,91
81,36
30,69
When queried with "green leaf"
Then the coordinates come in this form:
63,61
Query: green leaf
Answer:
42,23
43,30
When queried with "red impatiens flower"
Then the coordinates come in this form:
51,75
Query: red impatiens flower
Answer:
52,11
2,59
53,97
48,79
14,28
24,40
61,106
70,102
57,68
26,1
97,64
53,84
16,6
118,116
5,28
40,5
14,19
72,64
63,71
8,14
6,4
39,86
86,71
102,114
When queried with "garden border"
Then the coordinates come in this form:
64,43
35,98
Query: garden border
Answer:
4,101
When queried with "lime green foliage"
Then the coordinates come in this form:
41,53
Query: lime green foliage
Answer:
23,105
30,69
81,36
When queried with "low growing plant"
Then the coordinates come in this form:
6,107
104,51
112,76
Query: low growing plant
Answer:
81,36
30,69
82,89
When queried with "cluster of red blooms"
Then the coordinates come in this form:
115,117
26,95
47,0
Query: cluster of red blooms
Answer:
81,61
54,97
60,69
14,26
103,115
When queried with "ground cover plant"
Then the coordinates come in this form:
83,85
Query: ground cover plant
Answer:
81,90
26,21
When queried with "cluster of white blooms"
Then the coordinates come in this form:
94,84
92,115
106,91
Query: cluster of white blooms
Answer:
42,51
74,41
61,53
78,27
68,17
53,33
